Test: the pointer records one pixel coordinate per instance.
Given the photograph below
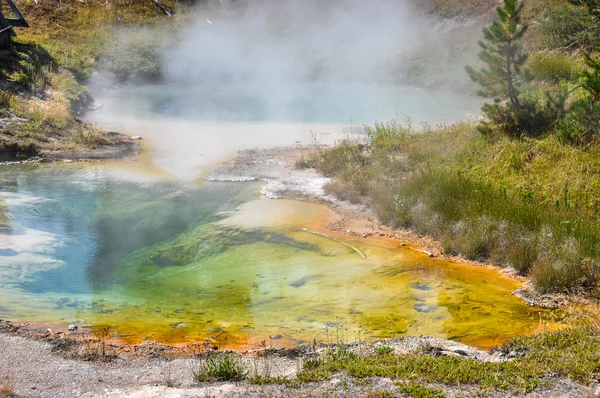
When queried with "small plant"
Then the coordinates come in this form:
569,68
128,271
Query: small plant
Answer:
6,388
343,354
304,163
220,367
168,377
7,100
384,350
95,349
416,390
569,27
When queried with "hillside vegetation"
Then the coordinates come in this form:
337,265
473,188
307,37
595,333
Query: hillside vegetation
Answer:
521,187
42,83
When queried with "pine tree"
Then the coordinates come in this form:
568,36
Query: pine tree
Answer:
504,75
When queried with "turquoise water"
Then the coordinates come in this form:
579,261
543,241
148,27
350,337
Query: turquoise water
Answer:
317,102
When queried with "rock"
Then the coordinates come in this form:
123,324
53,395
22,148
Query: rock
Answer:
423,308
277,337
420,287
73,328
534,299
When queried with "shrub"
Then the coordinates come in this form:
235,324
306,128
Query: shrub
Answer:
569,27
135,55
224,367
539,111
581,124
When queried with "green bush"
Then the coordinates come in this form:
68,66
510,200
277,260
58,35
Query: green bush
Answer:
540,109
136,54
569,27
581,124
224,367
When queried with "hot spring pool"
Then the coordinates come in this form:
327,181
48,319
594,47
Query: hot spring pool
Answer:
151,250
181,262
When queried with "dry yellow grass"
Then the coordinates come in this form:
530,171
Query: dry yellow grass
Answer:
6,388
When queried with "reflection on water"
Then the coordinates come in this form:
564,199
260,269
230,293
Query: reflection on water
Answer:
177,263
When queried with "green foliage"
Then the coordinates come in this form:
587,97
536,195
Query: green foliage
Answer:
384,350
7,99
538,111
503,55
29,67
483,197
591,77
553,67
593,6
513,111
416,390
581,124
224,367
569,27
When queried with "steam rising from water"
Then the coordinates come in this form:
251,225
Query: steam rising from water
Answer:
298,61
275,71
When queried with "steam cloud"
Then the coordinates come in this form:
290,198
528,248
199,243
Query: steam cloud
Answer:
292,60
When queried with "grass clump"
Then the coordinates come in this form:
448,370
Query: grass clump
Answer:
6,388
384,350
416,390
550,66
220,367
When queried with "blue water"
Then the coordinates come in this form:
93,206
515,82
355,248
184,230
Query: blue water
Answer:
318,102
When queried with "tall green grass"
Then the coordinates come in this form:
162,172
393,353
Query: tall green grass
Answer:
512,202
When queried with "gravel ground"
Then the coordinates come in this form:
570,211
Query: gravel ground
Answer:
35,371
